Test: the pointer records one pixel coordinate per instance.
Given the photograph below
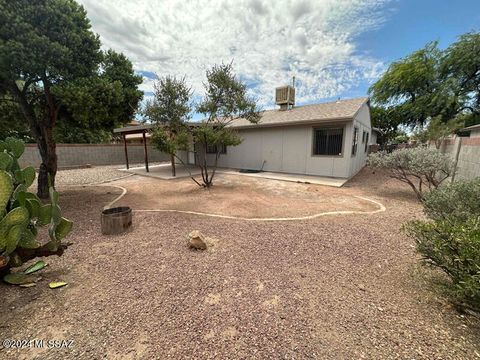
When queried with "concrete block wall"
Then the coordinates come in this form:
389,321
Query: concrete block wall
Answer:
72,155
469,159
468,165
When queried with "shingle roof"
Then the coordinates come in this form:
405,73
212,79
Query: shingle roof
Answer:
336,110
341,110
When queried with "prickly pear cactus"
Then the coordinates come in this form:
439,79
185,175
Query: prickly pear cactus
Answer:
22,212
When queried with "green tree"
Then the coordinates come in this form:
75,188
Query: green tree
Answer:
437,131
461,68
92,107
387,120
225,101
11,120
52,66
409,85
431,83
44,44
169,110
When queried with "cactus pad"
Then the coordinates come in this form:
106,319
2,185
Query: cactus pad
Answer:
6,189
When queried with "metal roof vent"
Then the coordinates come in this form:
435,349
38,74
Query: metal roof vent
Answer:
285,97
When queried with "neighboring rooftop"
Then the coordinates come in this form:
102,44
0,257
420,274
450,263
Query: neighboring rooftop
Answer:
473,127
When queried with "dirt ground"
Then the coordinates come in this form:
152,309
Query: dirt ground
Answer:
240,196
334,287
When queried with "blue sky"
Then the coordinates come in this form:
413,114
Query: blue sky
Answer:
413,23
334,48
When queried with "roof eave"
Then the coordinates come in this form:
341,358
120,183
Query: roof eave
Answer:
293,123
473,127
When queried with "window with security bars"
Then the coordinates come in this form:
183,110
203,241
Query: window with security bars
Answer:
328,141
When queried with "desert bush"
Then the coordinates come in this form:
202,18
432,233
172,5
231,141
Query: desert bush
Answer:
458,201
22,213
450,238
423,169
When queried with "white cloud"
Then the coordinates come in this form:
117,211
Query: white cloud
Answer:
269,41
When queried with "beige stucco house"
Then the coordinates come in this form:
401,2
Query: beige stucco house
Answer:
326,139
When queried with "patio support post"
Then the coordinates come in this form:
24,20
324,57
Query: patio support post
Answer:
145,151
125,147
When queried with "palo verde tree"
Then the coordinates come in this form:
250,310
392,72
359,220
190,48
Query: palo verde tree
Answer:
409,85
432,83
169,110
51,65
225,101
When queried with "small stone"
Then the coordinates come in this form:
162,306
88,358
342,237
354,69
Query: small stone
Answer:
197,240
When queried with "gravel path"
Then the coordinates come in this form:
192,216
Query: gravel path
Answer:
342,287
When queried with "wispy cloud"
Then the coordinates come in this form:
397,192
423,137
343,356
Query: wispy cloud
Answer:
268,41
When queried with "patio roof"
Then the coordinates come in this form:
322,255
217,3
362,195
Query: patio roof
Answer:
136,129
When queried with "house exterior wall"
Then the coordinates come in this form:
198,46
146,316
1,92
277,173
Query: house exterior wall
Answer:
285,149
475,133
289,149
363,123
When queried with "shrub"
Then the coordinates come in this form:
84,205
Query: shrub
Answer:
450,239
421,168
22,213
459,200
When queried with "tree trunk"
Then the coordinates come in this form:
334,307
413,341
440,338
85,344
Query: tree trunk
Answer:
172,160
42,131
48,167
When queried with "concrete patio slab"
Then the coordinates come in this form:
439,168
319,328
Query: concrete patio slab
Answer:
164,172
298,178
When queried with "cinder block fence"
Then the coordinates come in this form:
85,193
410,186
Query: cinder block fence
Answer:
73,155
466,152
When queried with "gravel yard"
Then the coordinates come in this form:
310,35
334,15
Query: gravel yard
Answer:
93,175
334,287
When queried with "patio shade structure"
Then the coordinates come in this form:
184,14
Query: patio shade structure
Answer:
137,129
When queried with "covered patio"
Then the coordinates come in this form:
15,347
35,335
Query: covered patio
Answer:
142,130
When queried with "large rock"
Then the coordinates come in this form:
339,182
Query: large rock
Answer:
197,240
